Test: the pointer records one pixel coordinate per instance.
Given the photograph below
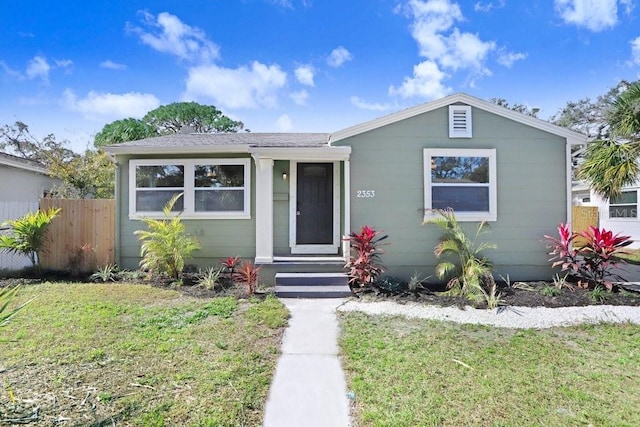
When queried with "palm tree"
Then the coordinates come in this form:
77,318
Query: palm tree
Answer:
610,165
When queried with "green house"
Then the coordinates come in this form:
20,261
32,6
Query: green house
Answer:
285,200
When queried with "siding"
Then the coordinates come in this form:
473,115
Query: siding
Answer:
19,185
531,190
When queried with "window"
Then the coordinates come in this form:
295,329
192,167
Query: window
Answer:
625,205
213,188
460,121
464,180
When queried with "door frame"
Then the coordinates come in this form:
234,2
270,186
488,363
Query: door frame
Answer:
293,208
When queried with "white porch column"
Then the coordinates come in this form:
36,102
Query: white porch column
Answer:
346,247
264,209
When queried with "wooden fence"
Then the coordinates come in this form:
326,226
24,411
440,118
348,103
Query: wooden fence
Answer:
13,210
582,218
82,237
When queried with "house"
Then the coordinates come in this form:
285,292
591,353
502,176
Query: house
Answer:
22,183
286,200
619,214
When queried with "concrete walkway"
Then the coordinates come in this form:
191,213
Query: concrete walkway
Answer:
309,387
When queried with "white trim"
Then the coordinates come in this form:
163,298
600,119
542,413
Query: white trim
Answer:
264,210
571,136
176,149
303,154
460,121
346,244
293,210
492,214
189,188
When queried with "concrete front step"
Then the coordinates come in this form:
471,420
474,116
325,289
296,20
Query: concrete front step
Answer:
312,285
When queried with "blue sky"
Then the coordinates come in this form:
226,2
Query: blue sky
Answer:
69,67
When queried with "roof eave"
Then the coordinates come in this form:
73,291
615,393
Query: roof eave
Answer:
23,166
200,149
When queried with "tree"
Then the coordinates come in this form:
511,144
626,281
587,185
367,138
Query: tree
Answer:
83,175
165,120
590,117
520,108
171,118
90,175
612,163
124,130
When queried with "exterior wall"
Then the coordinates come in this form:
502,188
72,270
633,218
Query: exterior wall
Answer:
281,209
624,226
219,238
531,187
20,185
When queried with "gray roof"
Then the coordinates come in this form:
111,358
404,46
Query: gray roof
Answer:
21,162
202,140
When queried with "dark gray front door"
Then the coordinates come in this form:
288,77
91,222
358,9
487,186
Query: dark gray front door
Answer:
314,216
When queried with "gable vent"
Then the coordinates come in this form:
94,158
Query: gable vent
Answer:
459,121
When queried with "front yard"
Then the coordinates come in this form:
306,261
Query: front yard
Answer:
123,354
407,372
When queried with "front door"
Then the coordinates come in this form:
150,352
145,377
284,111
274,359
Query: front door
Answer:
315,213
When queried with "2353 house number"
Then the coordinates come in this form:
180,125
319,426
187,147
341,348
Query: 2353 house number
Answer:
365,194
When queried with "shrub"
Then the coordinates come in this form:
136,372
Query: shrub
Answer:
592,261
364,265
166,244
107,273
247,274
209,277
467,272
28,233
230,264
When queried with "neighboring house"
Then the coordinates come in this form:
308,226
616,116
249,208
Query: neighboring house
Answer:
22,183
286,200
620,214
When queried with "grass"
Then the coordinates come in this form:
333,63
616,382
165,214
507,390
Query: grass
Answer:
103,354
632,256
425,373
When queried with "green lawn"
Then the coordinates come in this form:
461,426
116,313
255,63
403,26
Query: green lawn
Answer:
428,373
122,354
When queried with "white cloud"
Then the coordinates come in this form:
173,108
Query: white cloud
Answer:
595,15
426,82
488,7
284,123
304,74
444,47
360,103
635,51
507,59
10,72
112,65
98,106
339,56
38,68
466,50
244,87
300,98
168,34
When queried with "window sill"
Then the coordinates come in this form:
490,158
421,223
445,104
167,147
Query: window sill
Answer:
461,217
139,217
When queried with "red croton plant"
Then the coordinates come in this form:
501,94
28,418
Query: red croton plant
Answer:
364,263
589,255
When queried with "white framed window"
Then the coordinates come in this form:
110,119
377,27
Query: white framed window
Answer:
461,179
624,206
212,188
460,122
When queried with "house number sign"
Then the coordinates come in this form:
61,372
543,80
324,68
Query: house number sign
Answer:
365,194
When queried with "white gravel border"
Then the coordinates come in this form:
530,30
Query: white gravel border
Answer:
505,317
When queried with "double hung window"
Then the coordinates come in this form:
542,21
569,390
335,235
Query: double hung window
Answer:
211,188
461,179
